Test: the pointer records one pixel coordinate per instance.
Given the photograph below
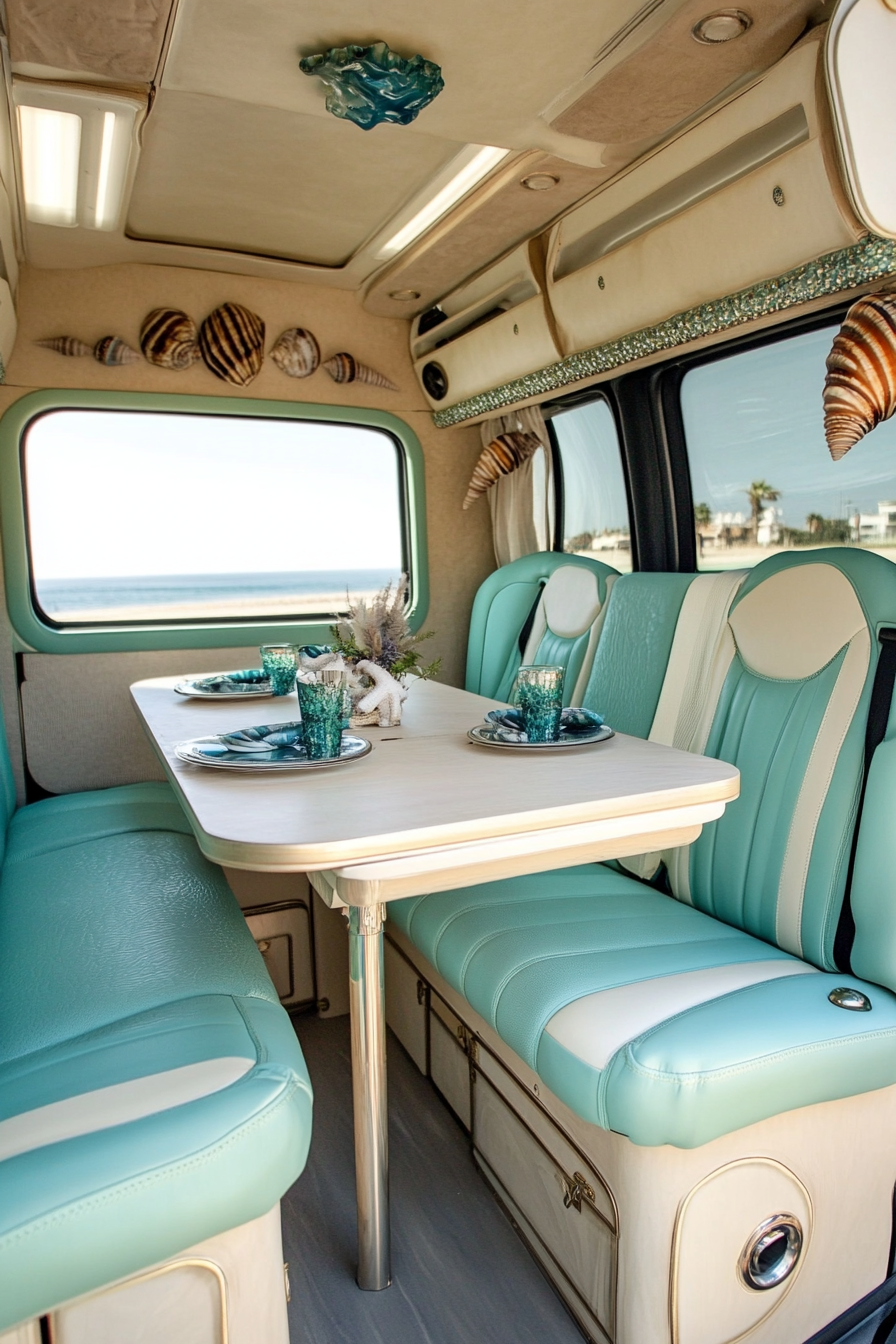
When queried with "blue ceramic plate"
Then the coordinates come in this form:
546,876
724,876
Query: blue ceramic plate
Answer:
491,735
215,751
244,684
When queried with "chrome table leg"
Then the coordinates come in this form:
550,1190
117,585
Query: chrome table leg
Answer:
368,1018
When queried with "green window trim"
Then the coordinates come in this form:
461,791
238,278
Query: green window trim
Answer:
32,634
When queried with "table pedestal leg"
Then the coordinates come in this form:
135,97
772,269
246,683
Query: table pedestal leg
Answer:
368,1018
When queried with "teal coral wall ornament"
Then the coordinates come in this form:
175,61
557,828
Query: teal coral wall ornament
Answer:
371,84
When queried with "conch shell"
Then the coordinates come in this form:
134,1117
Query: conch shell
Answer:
232,343
860,387
296,352
66,345
344,368
499,458
113,350
168,339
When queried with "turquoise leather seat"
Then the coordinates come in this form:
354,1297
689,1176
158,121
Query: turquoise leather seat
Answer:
152,1090
559,635
678,1018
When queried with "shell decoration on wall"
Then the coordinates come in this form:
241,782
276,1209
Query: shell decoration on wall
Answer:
860,387
232,343
296,352
113,350
499,458
344,368
66,345
168,339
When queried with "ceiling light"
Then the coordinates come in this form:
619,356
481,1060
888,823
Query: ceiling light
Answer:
722,26
540,182
51,146
477,161
77,149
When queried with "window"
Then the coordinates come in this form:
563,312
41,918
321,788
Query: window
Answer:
761,474
131,519
595,506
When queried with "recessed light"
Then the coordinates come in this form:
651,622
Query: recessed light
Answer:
404,295
723,26
474,163
540,182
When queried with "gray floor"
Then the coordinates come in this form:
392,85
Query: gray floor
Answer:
461,1274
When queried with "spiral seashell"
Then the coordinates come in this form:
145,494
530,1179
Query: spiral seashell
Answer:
860,387
113,350
66,345
168,339
499,458
296,352
232,343
344,368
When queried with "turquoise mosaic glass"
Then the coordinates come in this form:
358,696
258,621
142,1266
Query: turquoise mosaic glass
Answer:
539,694
323,716
279,663
369,85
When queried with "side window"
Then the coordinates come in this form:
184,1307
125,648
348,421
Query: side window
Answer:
762,477
595,507
143,518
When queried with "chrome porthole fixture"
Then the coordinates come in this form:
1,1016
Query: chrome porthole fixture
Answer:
771,1253
540,182
722,26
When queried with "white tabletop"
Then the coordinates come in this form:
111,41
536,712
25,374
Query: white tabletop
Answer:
428,809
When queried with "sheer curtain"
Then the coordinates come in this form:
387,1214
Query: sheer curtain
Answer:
522,504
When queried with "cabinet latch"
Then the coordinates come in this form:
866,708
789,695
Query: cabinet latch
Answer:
576,1188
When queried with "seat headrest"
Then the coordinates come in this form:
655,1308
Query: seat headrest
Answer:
571,601
790,625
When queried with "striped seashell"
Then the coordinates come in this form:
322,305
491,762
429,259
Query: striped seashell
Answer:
499,458
113,350
860,387
66,345
168,339
232,343
344,368
296,352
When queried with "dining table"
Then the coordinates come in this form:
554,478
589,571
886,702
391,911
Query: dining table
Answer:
426,810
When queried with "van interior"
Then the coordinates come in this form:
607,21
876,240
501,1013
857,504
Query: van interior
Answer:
573,328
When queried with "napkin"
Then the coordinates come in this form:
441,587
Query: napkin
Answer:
266,737
223,681
572,722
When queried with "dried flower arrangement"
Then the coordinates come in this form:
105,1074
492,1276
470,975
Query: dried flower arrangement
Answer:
377,630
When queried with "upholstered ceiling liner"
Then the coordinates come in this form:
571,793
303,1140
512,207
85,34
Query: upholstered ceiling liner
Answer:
671,76
121,40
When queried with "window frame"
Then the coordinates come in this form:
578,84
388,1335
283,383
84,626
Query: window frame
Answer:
31,630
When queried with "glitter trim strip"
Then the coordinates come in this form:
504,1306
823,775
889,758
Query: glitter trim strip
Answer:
870,259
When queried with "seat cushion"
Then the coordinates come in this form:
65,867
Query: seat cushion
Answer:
152,1090
644,1015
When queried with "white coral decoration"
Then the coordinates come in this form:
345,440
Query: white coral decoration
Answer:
385,696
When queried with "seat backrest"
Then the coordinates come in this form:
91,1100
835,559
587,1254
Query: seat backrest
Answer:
503,605
631,657
873,896
791,715
7,787
567,622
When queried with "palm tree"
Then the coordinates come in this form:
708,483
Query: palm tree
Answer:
702,515
814,523
760,493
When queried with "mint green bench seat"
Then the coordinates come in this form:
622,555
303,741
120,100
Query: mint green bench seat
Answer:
676,1018
501,609
152,1090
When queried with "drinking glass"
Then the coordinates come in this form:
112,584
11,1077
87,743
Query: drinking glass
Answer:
539,695
279,663
322,705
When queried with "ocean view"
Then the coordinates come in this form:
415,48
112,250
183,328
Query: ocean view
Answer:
143,597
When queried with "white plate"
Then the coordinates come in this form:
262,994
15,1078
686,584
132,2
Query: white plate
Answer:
198,686
484,735
211,751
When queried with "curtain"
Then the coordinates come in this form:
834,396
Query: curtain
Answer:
522,504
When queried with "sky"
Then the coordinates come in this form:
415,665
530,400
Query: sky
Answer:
759,415
128,493
593,485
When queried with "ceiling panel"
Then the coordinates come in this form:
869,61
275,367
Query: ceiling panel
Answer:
223,174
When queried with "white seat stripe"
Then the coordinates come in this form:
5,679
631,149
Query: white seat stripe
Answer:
118,1104
594,1027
